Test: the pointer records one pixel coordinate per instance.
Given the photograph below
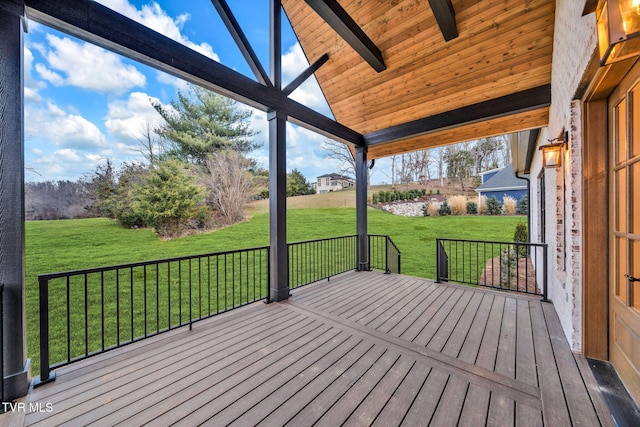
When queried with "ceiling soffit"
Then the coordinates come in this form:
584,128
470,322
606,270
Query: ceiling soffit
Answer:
503,47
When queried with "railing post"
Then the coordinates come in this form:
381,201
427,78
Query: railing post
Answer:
544,273
45,374
386,255
1,349
438,261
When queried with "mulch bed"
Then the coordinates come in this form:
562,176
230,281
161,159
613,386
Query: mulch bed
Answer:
520,276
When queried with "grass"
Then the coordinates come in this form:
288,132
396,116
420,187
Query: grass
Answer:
53,246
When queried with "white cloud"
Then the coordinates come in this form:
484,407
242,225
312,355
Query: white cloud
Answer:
168,79
31,86
87,66
152,16
66,130
127,119
309,93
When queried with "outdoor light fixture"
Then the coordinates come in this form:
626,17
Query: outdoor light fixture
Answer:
552,155
552,152
618,29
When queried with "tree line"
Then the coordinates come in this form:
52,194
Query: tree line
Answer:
197,174
456,162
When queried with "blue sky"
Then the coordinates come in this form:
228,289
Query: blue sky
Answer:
84,104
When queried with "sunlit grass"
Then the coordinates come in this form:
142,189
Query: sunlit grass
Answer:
53,246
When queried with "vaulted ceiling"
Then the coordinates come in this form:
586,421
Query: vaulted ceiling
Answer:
401,75
493,78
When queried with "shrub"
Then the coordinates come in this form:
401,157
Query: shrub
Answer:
433,208
523,205
509,205
458,205
472,208
171,198
520,235
493,206
482,205
374,198
425,209
444,209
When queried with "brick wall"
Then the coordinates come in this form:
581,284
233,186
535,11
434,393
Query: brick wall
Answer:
574,45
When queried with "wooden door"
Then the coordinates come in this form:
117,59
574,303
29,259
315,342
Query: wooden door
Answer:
624,179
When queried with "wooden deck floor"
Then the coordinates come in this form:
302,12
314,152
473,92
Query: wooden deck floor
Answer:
361,349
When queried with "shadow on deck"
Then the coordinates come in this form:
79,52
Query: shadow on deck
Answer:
360,349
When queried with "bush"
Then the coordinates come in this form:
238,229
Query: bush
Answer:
493,206
509,205
458,205
374,198
433,208
482,205
444,209
521,235
523,205
171,199
472,208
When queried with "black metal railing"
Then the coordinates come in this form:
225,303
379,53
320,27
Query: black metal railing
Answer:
315,260
383,254
94,310
499,265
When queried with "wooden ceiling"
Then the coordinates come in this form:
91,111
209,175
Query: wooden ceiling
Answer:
504,47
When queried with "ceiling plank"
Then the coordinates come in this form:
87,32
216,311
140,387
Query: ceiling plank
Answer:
104,27
241,41
484,129
445,17
338,19
530,99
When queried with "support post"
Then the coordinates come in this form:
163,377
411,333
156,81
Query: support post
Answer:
16,366
279,257
361,209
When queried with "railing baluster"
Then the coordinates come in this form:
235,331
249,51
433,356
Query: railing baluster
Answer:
246,271
501,270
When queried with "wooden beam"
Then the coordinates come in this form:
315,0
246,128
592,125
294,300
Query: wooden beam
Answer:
15,372
241,41
526,100
349,30
305,74
104,27
446,18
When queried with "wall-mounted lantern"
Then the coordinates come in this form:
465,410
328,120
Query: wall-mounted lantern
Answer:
618,29
553,152
552,155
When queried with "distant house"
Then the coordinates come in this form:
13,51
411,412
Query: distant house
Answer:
501,182
333,182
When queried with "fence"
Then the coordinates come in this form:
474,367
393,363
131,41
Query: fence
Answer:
500,265
383,254
94,310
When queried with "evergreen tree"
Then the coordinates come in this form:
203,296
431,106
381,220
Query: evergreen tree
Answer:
202,122
170,198
297,184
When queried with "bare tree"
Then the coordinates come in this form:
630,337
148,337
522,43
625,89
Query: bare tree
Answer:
152,147
342,153
230,185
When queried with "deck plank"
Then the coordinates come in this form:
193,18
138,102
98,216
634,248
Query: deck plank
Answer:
554,405
418,353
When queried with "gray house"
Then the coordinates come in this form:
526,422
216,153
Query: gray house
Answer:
502,182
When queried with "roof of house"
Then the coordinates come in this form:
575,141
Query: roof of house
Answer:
503,180
336,176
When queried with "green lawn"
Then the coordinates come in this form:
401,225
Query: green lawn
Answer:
53,246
